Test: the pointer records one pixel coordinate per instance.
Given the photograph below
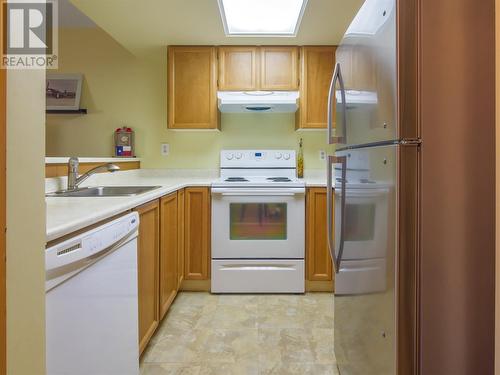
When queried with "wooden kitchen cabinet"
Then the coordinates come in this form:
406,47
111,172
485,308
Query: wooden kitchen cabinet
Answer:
317,64
248,68
238,68
279,68
169,231
319,265
197,233
192,88
148,271
180,236
358,68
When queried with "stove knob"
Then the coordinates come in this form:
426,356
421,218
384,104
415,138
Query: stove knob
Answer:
278,155
238,155
229,156
286,156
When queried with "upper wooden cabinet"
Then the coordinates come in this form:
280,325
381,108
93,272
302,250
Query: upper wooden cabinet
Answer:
238,68
316,71
192,88
358,68
258,68
196,73
147,271
279,68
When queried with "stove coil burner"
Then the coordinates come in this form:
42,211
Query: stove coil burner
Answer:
236,179
279,179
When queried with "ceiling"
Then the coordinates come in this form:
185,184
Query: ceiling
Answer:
145,24
71,17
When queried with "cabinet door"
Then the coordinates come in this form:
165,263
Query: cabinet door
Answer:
279,68
192,88
358,68
197,233
147,270
317,66
238,68
180,238
168,252
319,265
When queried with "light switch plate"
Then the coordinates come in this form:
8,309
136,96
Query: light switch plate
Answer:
322,155
165,149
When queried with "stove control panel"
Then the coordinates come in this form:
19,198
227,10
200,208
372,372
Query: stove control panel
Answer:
257,158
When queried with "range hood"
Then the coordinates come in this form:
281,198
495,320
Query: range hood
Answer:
258,101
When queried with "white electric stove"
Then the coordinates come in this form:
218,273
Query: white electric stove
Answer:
258,223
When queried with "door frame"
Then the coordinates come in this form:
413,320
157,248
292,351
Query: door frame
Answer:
408,200
497,189
3,178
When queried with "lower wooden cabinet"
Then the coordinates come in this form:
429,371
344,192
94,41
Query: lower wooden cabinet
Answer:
319,265
148,271
169,232
197,233
180,238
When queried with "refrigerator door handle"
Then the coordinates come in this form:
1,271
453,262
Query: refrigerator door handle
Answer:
337,76
337,259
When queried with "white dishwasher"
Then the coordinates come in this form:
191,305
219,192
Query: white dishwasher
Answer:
91,301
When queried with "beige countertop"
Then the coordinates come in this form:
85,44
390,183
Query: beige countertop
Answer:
64,160
67,215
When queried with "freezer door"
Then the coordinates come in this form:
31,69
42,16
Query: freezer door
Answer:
367,61
365,252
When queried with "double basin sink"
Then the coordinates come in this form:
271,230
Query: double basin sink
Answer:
104,191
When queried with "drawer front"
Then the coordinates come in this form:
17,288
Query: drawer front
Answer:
258,276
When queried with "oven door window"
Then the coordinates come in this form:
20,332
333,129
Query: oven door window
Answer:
360,222
258,221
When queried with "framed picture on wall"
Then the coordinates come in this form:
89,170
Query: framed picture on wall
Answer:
63,92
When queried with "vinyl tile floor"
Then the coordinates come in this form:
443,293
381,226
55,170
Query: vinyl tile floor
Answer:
205,334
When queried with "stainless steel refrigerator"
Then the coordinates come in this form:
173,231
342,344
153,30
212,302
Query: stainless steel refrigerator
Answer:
362,180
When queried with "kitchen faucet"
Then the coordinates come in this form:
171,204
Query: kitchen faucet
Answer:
74,181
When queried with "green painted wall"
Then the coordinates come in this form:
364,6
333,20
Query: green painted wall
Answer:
120,88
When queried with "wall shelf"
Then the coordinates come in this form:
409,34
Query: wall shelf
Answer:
81,111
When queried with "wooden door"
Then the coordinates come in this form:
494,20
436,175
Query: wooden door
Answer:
238,68
147,268
168,252
319,265
197,233
3,226
180,237
279,68
316,71
192,88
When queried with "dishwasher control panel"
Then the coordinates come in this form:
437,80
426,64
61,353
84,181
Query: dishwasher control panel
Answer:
92,242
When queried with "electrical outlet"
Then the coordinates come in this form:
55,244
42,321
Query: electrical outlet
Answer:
165,149
322,155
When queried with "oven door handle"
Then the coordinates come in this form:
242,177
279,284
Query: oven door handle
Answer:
337,259
258,192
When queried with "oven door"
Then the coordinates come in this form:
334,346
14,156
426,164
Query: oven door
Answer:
258,223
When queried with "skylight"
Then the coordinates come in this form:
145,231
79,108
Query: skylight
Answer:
262,17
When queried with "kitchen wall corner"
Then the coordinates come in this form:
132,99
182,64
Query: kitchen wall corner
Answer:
25,222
